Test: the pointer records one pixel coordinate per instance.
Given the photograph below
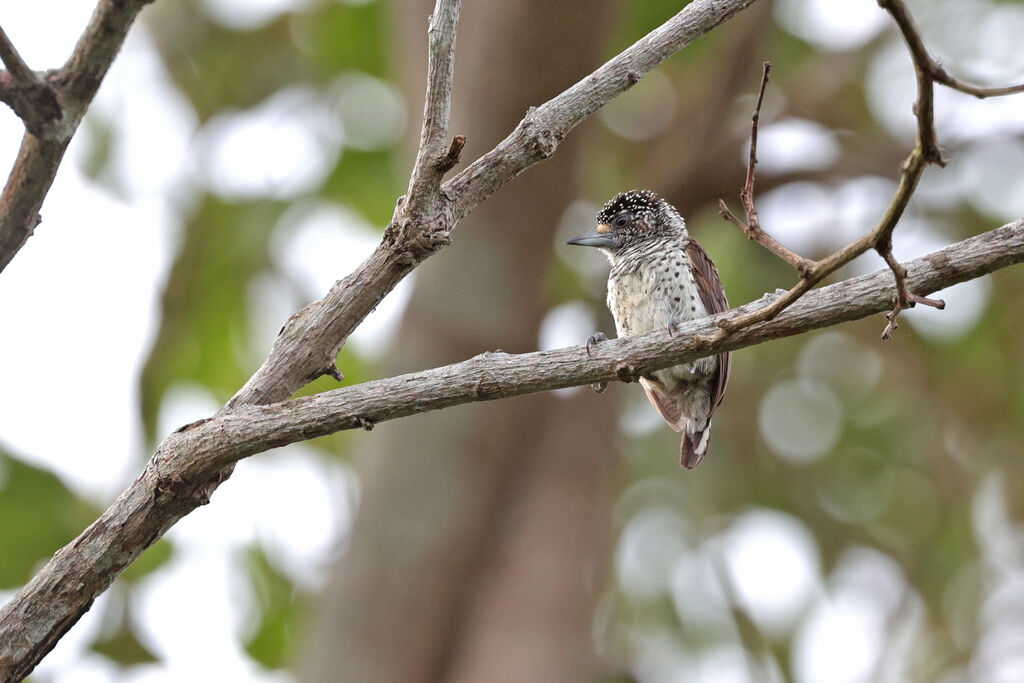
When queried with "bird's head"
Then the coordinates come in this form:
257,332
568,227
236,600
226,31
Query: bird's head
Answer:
630,219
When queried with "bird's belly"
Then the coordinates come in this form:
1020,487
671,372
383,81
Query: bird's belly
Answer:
644,302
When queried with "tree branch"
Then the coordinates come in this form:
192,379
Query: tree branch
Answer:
183,465
926,151
925,63
431,160
17,67
51,110
310,341
752,228
543,128
31,98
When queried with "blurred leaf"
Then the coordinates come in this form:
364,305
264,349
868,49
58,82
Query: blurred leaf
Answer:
217,68
38,515
282,610
563,284
99,133
124,648
152,559
205,302
340,37
368,181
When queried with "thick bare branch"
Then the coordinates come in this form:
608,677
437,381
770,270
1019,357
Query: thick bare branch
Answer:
51,109
309,342
182,466
35,102
184,463
543,128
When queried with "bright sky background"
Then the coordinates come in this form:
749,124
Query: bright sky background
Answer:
85,291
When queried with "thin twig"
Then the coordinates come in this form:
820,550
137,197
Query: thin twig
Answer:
940,75
926,63
752,228
17,67
431,160
747,195
926,151
454,153
904,297
925,104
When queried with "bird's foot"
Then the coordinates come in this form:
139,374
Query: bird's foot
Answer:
672,322
595,338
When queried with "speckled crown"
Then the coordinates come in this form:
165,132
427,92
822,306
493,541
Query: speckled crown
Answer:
641,203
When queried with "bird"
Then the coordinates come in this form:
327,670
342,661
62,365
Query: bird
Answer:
661,276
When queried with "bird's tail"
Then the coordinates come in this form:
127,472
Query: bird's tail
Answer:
694,446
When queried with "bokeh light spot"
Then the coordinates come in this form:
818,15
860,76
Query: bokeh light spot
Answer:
801,420
773,564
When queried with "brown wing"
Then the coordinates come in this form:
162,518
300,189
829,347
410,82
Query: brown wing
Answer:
666,407
713,295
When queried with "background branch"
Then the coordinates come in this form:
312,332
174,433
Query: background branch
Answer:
52,110
166,490
926,151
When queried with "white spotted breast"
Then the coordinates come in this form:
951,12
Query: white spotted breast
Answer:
646,290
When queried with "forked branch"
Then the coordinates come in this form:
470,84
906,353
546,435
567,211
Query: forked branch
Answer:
926,151
51,109
308,344
31,98
752,227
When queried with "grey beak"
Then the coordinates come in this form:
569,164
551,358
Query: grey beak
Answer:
594,238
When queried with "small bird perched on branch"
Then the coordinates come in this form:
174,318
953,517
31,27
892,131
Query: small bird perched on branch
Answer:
660,276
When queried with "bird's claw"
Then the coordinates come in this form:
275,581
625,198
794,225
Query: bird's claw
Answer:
599,387
672,322
595,338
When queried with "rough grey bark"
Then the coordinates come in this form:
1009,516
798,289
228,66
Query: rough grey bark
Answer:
165,491
51,108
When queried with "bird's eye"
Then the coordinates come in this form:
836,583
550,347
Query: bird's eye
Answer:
621,220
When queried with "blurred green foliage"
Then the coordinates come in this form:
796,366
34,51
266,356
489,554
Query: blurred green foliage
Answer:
282,613
38,515
124,648
204,321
